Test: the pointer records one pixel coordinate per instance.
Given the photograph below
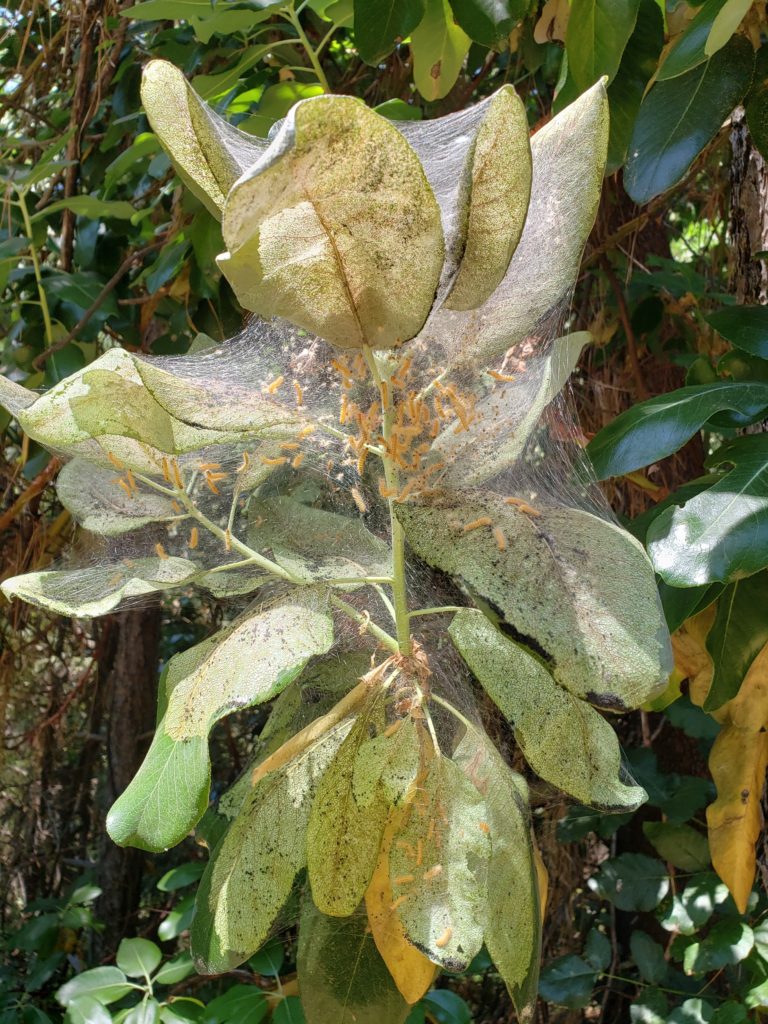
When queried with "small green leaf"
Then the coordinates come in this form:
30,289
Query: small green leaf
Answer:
649,957
87,1010
597,35
653,429
568,981
695,905
240,1004
138,957
564,740
88,206
737,635
380,24
688,51
727,943
488,22
176,970
107,984
90,494
631,881
692,1011
681,845
746,327
182,876
447,1007
439,47
650,1007
678,118
288,1011
145,1012
597,950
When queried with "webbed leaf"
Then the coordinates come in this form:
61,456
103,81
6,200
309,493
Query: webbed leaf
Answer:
336,228
208,153
248,663
89,592
14,397
314,544
577,590
563,739
89,492
344,832
444,893
507,416
253,868
342,977
512,928
498,201
387,765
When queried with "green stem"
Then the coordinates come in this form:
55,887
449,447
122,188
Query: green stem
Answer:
454,711
392,480
436,611
364,620
309,49
47,322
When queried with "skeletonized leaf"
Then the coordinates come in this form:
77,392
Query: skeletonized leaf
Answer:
444,894
386,766
412,972
252,870
89,592
577,590
738,762
208,153
314,544
14,397
344,832
89,493
498,202
512,929
336,228
342,976
564,740
248,663
505,419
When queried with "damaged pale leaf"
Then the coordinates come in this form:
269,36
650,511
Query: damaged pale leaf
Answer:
209,154
498,201
336,228
253,868
563,739
577,590
313,544
90,592
246,664
343,978
387,765
88,491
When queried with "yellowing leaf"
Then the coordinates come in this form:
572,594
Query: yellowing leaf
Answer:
692,659
738,763
411,971
749,708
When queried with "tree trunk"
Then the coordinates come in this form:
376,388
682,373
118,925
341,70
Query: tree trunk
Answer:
130,671
748,227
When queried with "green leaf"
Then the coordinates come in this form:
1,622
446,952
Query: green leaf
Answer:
90,494
208,153
727,943
597,949
678,118
568,981
726,22
500,176
580,820
650,1007
638,64
253,868
87,1010
107,984
756,107
138,957
695,905
681,845
88,206
142,148
631,881
746,327
443,913
648,955
560,587
178,921
488,22
182,876
90,592
342,976
653,429
692,1011
246,664
240,1004
721,533
738,634
512,914
145,1012
380,24
288,1011
688,52
439,47
597,35
345,827
447,1007
564,740
312,219
399,110
313,544
268,961
167,10
175,970
507,416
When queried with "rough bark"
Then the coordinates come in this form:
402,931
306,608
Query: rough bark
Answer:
748,221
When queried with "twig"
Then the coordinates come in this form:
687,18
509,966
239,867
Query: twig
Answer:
39,484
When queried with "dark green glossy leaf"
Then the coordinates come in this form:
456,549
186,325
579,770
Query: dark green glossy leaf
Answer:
288,1011
649,957
240,1004
625,92
488,21
568,981
722,533
631,881
598,32
737,636
688,50
680,845
746,327
447,1007
653,429
380,24
756,105
679,117
729,942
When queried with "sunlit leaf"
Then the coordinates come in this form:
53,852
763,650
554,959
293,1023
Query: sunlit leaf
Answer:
89,493
439,47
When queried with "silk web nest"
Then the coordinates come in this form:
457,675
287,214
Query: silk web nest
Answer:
386,437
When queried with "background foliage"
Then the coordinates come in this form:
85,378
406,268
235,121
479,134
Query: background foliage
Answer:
99,246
